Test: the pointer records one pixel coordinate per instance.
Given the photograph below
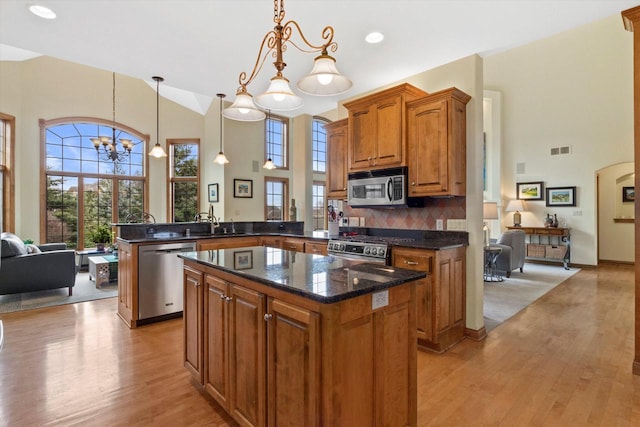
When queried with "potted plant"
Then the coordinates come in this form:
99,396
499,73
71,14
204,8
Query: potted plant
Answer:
100,235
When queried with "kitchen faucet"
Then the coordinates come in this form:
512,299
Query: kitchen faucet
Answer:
233,226
214,221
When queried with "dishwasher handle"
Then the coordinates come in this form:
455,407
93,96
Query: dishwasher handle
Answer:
173,251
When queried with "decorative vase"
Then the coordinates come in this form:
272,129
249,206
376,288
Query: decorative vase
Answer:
548,221
100,247
555,221
293,211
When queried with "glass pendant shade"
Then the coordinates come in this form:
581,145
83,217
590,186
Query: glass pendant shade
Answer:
221,159
244,109
269,164
279,96
157,151
324,79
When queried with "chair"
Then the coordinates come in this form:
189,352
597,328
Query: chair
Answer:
49,266
512,243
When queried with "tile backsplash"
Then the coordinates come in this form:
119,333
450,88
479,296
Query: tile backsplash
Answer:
423,218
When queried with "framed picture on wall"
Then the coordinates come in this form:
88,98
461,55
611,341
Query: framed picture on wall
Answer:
561,196
243,188
529,190
628,194
213,193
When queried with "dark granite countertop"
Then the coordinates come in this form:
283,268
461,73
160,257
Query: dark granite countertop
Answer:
326,279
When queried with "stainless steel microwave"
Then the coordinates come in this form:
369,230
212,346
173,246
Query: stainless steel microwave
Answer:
378,188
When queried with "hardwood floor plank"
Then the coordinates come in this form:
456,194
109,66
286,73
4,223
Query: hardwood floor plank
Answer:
563,361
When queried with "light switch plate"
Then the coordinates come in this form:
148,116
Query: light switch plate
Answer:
439,224
354,221
362,221
457,224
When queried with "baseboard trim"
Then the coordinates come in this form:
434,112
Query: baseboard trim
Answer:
476,334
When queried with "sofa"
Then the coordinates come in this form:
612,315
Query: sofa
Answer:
29,268
512,243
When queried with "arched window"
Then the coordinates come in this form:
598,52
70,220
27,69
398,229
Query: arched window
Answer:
88,180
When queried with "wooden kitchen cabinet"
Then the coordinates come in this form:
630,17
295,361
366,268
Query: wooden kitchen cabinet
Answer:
377,128
294,244
271,241
127,283
436,128
318,248
337,159
192,322
441,296
228,242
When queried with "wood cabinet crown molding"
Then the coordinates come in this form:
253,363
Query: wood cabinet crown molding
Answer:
402,89
631,16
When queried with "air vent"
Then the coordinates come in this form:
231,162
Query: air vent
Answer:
561,150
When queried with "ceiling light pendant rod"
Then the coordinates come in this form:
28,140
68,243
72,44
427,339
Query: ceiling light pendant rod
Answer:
110,144
157,151
221,159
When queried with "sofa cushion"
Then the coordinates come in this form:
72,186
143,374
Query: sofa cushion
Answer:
12,245
33,249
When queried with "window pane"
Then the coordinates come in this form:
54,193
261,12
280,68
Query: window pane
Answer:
319,210
275,200
275,141
185,201
319,149
130,201
185,160
62,210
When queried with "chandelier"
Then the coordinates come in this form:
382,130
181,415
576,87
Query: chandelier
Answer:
110,145
323,80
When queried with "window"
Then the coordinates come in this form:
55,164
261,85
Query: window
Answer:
86,187
7,207
276,199
319,149
276,130
318,203
184,179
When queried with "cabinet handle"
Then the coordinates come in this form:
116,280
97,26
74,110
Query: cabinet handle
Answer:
411,262
221,295
268,317
228,299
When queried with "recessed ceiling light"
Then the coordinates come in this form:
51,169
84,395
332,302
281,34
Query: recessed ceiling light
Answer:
42,11
374,37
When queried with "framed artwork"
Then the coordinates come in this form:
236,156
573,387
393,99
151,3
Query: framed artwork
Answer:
561,196
628,194
529,190
213,193
243,188
243,260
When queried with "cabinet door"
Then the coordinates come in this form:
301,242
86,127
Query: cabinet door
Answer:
389,139
271,241
337,159
450,298
126,309
362,134
428,149
216,342
247,357
293,365
192,320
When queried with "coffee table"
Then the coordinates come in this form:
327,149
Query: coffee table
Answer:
103,269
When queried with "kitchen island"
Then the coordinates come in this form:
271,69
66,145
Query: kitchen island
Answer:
285,338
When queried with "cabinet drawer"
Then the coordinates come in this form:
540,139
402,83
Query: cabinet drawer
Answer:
413,260
293,245
315,248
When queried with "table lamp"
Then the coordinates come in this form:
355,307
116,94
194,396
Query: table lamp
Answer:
516,206
489,211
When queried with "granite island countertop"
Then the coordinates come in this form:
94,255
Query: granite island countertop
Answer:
325,279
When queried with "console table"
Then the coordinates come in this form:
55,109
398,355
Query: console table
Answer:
548,244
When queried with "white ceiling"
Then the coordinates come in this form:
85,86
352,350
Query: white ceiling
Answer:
201,46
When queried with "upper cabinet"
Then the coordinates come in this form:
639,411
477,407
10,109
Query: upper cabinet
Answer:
377,136
337,152
436,127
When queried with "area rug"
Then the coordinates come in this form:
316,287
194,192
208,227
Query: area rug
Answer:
84,290
502,300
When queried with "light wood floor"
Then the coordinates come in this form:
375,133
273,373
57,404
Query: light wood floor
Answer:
563,361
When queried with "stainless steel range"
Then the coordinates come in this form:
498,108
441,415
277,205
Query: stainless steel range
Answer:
377,252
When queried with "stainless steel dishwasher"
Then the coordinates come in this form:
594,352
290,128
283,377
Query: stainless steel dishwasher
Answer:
160,279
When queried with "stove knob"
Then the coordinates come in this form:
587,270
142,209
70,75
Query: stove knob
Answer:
367,250
374,251
342,246
381,252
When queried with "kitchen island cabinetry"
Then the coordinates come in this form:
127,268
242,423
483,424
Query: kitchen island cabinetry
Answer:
337,159
279,353
228,242
376,128
192,319
437,144
128,283
440,296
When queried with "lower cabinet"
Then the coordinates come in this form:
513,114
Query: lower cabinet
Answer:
192,322
269,360
441,296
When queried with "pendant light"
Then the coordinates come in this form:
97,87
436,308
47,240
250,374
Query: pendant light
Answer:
269,163
221,159
157,151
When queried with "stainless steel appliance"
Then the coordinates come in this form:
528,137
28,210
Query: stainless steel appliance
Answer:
386,187
160,279
360,251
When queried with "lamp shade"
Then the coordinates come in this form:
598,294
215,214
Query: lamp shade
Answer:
244,109
515,206
279,96
490,210
324,79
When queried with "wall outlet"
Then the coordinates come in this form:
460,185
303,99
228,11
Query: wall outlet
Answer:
439,224
345,221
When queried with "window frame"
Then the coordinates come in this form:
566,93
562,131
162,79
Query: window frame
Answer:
171,180
285,140
7,162
285,197
323,121
44,125
324,203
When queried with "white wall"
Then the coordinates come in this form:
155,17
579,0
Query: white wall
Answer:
616,241
573,89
